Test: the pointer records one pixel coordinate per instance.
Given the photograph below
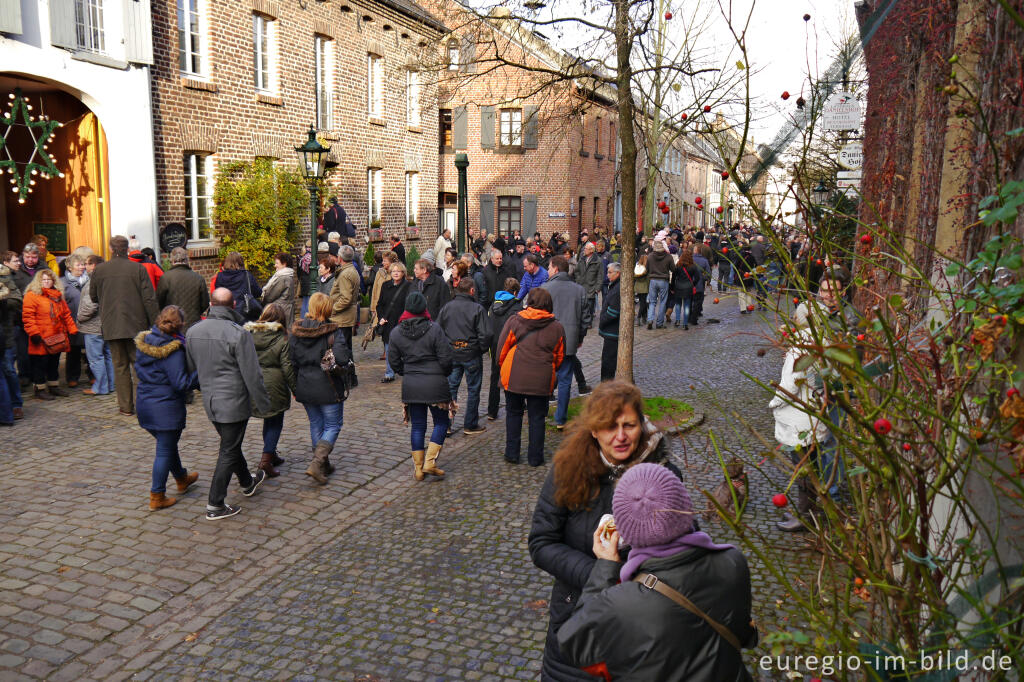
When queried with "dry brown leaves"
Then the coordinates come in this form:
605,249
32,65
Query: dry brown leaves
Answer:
987,334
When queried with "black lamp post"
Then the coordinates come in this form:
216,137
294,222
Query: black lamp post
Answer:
313,165
819,195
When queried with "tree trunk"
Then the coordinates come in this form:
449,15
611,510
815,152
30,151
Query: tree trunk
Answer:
627,175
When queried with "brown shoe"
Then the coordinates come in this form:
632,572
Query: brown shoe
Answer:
276,460
430,460
19,413
89,391
316,467
267,464
185,483
159,501
56,390
42,394
328,467
72,384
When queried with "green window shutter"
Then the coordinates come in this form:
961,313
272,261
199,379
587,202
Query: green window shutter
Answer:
487,127
62,24
459,133
530,115
529,213
138,32
487,213
10,16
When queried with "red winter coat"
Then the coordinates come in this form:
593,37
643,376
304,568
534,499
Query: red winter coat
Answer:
46,314
154,271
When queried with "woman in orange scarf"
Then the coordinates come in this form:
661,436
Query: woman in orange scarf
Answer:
49,326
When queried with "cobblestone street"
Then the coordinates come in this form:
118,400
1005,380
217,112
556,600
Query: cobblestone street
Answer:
374,576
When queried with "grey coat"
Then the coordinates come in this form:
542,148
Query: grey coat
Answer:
124,292
88,313
224,355
570,308
589,275
281,289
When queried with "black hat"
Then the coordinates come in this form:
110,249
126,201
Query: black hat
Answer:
415,303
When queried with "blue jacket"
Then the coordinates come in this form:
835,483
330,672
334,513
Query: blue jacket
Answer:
531,281
164,381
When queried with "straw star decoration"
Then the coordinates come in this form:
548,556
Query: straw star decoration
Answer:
39,162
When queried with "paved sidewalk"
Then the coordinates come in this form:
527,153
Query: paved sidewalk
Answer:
372,575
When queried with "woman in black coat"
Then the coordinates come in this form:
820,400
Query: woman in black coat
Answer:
686,278
322,394
578,492
239,281
390,306
422,354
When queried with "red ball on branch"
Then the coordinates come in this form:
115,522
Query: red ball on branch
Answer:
785,94
719,210
707,109
684,116
698,201
882,426
1012,393
780,500
665,210
725,174
668,16
907,447
866,239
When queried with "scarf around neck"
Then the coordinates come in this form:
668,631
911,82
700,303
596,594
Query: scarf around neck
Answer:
638,555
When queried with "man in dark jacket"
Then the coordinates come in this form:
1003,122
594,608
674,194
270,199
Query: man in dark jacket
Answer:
184,288
124,293
702,263
231,380
399,248
495,273
608,326
570,306
433,288
464,322
589,274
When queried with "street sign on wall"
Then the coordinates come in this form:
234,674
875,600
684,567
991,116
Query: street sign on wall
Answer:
849,175
841,112
851,156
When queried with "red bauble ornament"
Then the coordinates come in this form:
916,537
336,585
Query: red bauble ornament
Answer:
725,174
882,426
785,94
715,301
684,116
661,204
1012,393
796,301
719,209
698,200
818,262
665,210
750,308
907,447
780,500
668,16
725,249
707,109
865,239
860,337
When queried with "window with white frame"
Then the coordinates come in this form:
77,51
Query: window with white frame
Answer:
198,195
322,73
412,91
89,25
412,198
263,52
511,127
374,193
191,59
375,85
510,215
453,55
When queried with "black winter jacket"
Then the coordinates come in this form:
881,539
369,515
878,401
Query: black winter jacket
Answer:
240,282
391,305
640,634
561,541
495,277
464,322
422,354
307,343
436,291
684,281
608,326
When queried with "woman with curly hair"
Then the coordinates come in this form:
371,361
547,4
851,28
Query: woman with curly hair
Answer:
49,326
609,436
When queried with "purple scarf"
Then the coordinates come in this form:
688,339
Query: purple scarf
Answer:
638,555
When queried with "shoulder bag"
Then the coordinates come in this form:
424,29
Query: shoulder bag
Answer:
651,582
56,343
251,308
329,364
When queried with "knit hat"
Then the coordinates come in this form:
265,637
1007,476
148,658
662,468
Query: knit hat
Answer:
322,247
415,303
651,506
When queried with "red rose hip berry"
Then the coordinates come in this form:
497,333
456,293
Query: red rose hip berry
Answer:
882,426
780,500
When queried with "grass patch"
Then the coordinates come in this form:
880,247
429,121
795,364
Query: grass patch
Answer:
664,412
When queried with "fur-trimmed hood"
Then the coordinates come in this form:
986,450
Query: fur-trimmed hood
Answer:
311,329
161,351
262,326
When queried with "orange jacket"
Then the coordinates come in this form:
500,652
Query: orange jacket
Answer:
532,347
46,314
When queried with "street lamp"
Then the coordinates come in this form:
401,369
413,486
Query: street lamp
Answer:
313,165
819,195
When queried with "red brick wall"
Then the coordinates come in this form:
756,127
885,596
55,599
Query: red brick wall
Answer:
233,113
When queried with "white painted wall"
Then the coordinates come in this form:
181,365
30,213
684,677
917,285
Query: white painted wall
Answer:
120,98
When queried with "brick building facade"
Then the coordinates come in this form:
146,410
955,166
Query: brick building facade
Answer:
244,80
542,155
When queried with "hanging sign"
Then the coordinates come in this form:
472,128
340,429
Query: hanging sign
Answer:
851,156
841,112
849,175
172,236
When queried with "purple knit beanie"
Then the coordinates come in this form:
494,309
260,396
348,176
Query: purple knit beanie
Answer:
651,506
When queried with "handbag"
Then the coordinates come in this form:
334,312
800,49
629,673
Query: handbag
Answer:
345,373
639,270
251,308
56,343
651,582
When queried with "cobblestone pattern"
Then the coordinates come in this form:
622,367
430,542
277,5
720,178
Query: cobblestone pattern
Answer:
372,575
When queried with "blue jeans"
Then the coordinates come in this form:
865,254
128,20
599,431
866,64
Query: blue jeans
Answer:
474,371
388,372
325,421
418,419
564,376
10,375
657,294
272,428
166,460
97,352
683,308
305,305
828,459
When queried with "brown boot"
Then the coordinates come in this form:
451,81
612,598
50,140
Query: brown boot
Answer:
267,464
417,459
328,467
275,460
159,501
316,467
430,465
42,394
185,483
55,389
